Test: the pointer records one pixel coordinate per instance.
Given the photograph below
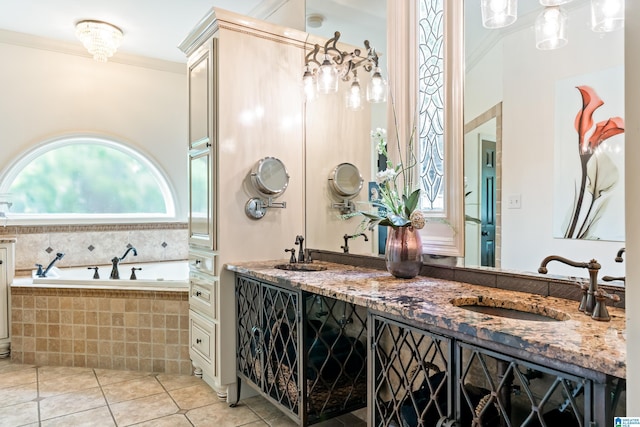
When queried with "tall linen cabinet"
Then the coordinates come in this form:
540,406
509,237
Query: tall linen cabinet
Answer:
245,104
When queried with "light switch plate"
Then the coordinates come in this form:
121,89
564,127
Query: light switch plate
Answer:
514,201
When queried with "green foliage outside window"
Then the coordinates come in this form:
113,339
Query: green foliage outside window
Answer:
86,178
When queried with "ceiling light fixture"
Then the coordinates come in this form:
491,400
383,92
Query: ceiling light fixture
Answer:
101,39
551,28
607,15
553,2
498,13
325,66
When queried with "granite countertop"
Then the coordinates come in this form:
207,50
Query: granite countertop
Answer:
579,341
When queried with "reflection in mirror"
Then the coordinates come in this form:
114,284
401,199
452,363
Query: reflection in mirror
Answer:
539,104
333,134
345,183
482,171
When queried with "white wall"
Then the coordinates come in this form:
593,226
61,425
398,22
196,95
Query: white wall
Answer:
528,139
47,94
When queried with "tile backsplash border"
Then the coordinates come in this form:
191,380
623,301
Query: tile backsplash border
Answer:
96,244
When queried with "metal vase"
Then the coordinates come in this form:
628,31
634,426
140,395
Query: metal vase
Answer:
403,253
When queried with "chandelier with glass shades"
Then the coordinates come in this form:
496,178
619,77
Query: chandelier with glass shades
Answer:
325,66
551,24
101,39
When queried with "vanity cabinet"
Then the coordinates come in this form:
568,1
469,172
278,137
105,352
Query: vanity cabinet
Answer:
303,352
422,377
7,267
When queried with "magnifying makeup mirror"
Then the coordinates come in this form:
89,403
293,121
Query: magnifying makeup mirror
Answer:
270,179
345,183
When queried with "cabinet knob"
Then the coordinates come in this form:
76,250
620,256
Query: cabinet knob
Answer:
198,340
198,293
1,261
198,261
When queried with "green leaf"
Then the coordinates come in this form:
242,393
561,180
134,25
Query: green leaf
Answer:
411,202
398,221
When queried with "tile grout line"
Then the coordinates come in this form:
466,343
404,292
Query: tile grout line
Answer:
155,376
104,396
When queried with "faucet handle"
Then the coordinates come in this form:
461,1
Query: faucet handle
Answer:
292,259
583,301
600,311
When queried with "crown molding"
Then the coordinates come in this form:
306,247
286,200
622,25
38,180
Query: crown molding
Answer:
68,48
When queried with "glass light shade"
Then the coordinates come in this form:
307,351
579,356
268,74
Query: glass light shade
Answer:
551,28
607,15
353,97
498,13
99,38
553,2
377,87
308,84
327,77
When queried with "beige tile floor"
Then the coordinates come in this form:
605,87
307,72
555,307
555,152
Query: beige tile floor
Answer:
48,396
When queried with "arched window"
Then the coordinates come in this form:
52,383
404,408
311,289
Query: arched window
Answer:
87,177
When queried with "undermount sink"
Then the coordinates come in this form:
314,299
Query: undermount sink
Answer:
300,267
510,309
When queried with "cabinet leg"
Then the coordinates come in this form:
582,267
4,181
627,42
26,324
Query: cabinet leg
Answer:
197,371
238,387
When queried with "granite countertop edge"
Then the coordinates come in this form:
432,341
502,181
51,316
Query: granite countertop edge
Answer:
579,341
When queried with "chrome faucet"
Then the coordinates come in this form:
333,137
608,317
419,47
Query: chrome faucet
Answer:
593,299
41,273
346,238
115,274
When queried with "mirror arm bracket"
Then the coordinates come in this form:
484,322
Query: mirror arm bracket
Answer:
345,207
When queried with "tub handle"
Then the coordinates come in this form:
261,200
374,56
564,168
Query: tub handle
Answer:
133,273
96,275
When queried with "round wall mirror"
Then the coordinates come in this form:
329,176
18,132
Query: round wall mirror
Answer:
270,177
345,181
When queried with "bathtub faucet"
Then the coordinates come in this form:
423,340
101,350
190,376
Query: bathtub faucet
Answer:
115,274
41,273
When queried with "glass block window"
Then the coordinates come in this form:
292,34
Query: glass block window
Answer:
431,103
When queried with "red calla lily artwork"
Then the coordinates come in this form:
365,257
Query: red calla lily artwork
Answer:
598,173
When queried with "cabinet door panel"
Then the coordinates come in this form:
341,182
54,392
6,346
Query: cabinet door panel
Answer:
202,197
199,99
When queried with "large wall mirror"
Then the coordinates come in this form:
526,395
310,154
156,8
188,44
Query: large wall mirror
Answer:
520,104
335,135
512,106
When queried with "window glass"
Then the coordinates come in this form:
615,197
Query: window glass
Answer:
86,176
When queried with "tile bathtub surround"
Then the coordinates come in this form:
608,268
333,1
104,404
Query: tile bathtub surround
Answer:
63,396
97,244
112,329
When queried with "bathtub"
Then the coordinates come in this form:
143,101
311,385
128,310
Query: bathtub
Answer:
167,275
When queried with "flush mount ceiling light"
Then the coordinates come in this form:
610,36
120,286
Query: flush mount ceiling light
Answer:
551,28
324,66
315,20
101,39
607,15
498,13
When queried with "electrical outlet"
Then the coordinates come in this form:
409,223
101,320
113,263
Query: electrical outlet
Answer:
513,201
